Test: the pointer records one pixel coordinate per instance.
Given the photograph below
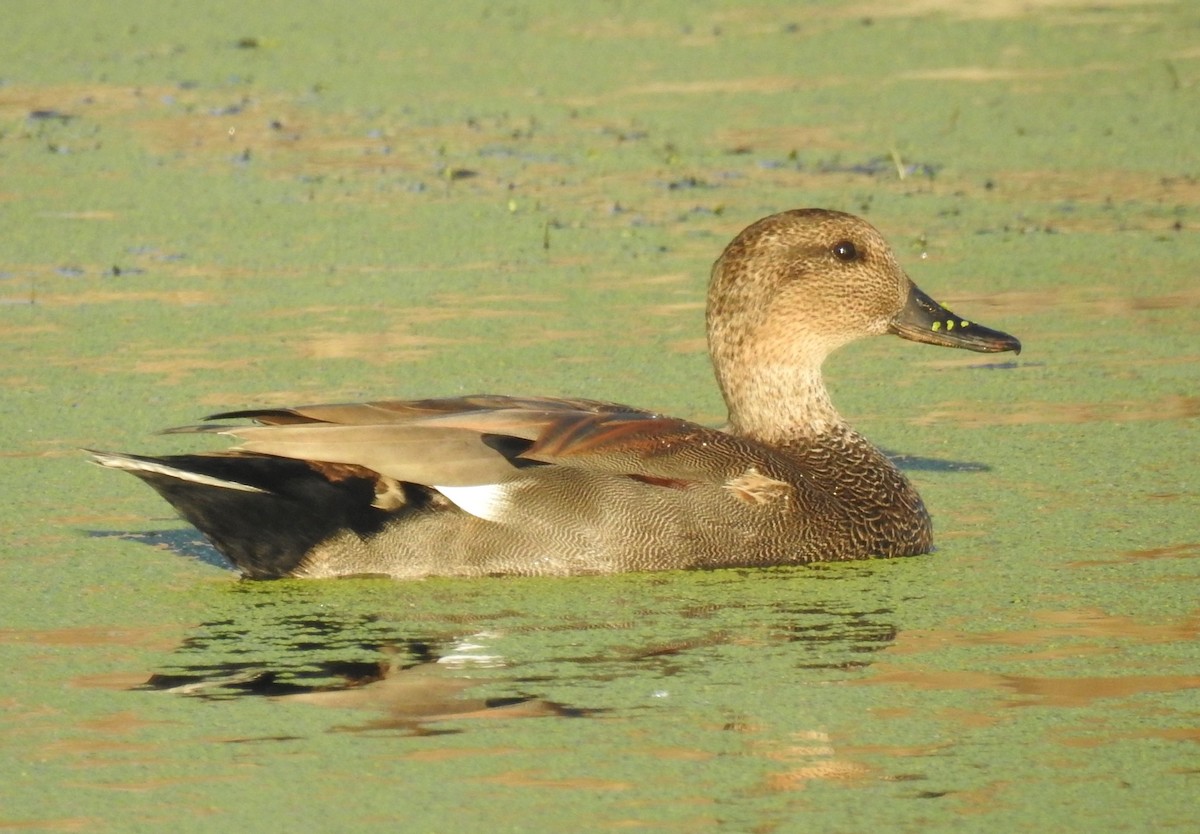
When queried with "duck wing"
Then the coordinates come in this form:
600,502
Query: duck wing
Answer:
488,439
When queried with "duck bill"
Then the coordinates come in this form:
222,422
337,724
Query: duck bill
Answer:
924,320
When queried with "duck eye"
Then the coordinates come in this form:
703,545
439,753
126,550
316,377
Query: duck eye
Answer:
845,251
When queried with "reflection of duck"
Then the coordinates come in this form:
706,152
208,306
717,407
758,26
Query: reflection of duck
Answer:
493,485
411,697
410,684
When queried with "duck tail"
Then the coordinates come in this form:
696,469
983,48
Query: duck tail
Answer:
263,513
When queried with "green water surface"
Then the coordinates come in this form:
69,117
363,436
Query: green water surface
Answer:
212,206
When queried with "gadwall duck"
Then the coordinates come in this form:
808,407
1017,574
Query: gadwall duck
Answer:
487,485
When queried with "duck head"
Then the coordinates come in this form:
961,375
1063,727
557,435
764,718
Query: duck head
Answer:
794,287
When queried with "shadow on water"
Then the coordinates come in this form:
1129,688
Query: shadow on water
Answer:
918,463
180,541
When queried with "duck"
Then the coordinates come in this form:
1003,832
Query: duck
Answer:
493,485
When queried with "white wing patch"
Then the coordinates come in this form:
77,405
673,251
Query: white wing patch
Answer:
487,501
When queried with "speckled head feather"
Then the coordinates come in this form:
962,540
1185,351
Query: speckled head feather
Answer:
490,484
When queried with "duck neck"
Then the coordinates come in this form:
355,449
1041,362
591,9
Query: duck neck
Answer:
779,405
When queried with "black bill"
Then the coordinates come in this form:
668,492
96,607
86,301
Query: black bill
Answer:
924,320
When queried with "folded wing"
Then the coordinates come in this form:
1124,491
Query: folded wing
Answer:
467,441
